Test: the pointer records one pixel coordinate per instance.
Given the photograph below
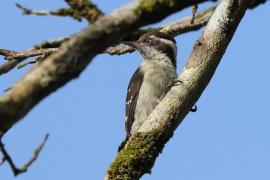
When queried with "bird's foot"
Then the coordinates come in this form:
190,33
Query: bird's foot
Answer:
177,82
193,109
174,83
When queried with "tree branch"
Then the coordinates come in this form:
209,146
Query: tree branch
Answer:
59,12
7,66
141,150
14,58
78,10
78,52
16,171
174,29
85,9
26,54
185,25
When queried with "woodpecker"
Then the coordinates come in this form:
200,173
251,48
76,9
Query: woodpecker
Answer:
151,80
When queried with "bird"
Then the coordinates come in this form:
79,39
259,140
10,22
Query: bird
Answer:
151,80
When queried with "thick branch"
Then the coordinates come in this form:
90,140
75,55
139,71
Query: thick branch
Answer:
78,52
141,150
187,24
182,26
177,28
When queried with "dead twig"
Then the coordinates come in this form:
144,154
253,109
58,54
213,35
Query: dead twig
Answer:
9,55
77,10
194,11
59,12
14,58
7,66
7,158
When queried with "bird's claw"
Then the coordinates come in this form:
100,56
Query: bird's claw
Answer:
193,109
174,83
177,82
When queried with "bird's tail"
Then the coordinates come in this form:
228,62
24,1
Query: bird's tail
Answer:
123,144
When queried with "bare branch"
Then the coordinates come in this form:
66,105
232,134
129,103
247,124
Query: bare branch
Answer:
194,11
59,12
7,158
78,10
35,154
185,25
182,26
177,28
14,58
77,53
26,54
85,9
55,43
7,66
143,147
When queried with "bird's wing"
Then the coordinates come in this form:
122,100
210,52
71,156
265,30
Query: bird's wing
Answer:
131,99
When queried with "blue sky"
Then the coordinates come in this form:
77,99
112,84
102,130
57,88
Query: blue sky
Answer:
227,138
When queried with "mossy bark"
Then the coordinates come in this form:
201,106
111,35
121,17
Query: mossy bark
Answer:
138,157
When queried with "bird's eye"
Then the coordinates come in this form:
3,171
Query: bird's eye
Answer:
148,41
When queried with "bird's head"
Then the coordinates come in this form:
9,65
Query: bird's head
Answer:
155,46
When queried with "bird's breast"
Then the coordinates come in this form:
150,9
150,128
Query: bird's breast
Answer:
157,77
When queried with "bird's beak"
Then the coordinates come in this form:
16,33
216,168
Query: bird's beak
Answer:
134,44
139,46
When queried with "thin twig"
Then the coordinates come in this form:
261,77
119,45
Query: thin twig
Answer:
30,53
59,12
184,25
194,11
14,58
77,10
7,66
7,158
35,154
43,50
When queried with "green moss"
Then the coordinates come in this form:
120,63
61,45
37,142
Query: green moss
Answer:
148,7
137,158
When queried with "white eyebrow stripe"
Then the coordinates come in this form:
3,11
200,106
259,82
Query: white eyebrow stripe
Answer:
168,42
